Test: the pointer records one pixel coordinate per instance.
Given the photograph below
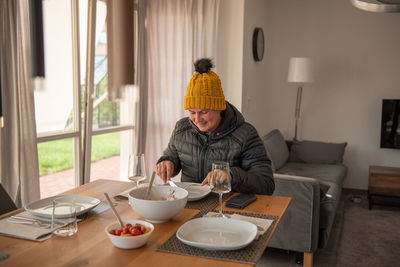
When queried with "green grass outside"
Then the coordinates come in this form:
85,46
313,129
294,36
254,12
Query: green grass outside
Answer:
57,155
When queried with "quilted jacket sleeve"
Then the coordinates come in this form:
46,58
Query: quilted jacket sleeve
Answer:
255,173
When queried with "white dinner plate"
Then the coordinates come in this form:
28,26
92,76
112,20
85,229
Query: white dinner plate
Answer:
44,206
195,190
217,233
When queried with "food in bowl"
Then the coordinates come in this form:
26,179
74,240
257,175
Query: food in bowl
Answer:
130,230
171,195
160,206
134,234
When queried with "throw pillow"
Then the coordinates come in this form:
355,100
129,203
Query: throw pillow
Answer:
277,149
317,152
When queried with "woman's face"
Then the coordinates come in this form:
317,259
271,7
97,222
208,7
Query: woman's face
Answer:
206,120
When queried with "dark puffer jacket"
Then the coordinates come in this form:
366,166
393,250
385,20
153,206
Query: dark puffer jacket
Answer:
234,141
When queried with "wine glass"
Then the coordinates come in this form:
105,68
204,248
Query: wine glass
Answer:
137,168
220,182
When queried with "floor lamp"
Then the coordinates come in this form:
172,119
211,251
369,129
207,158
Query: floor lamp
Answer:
301,72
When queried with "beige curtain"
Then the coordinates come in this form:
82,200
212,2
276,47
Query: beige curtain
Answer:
177,33
141,72
19,160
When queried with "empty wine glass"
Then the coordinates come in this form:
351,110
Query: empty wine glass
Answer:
220,182
136,168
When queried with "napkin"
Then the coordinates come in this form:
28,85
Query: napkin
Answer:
28,231
261,223
123,196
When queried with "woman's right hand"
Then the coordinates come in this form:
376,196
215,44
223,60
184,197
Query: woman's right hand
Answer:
164,169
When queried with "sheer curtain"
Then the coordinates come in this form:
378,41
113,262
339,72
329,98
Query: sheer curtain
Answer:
178,32
19,162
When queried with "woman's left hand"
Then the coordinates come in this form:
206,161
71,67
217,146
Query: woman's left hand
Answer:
219,175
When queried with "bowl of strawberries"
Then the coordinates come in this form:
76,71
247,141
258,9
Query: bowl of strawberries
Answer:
134,234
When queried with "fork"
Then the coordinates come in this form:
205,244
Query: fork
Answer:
31,221
171,183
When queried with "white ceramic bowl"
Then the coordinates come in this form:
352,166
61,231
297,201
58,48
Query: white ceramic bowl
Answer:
129,242
155,209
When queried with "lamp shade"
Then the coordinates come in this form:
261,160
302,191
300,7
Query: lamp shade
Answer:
380,6
300,70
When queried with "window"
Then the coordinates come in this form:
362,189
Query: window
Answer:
64,113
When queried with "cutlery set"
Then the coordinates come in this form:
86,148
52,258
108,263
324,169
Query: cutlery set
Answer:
30,221
41,223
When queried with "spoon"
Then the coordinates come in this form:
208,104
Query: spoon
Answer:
121,223
150,185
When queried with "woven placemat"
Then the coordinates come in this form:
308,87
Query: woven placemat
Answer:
206,204
249,254
102,207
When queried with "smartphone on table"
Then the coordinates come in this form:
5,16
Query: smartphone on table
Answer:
240,201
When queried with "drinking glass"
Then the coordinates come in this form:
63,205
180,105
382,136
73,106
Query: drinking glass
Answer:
136,168
220,182
64,213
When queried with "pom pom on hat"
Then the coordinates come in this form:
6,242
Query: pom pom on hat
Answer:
203,65
204,89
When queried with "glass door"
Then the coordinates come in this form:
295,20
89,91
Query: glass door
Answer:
81,135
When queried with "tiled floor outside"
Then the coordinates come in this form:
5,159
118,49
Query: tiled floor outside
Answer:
59,182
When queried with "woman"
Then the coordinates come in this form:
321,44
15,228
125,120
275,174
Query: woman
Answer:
215,131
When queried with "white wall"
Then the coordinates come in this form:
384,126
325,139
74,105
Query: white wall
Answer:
357,55
357,58
229,61
255,73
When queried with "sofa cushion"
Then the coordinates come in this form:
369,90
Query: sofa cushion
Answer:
334,173
317,152
277,149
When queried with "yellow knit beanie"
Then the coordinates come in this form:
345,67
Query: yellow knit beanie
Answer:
204,89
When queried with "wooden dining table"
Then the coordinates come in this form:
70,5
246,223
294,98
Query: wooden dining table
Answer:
90,246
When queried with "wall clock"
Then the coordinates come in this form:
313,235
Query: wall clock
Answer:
258,44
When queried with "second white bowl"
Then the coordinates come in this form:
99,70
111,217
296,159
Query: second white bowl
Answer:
155,209
129,242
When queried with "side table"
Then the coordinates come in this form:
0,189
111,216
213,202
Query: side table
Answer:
383,181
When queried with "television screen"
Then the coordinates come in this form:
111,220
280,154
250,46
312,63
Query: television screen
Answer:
390,123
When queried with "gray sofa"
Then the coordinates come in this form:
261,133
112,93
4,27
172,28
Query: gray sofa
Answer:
312,174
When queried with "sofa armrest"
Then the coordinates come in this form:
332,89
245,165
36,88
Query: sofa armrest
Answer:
299,227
